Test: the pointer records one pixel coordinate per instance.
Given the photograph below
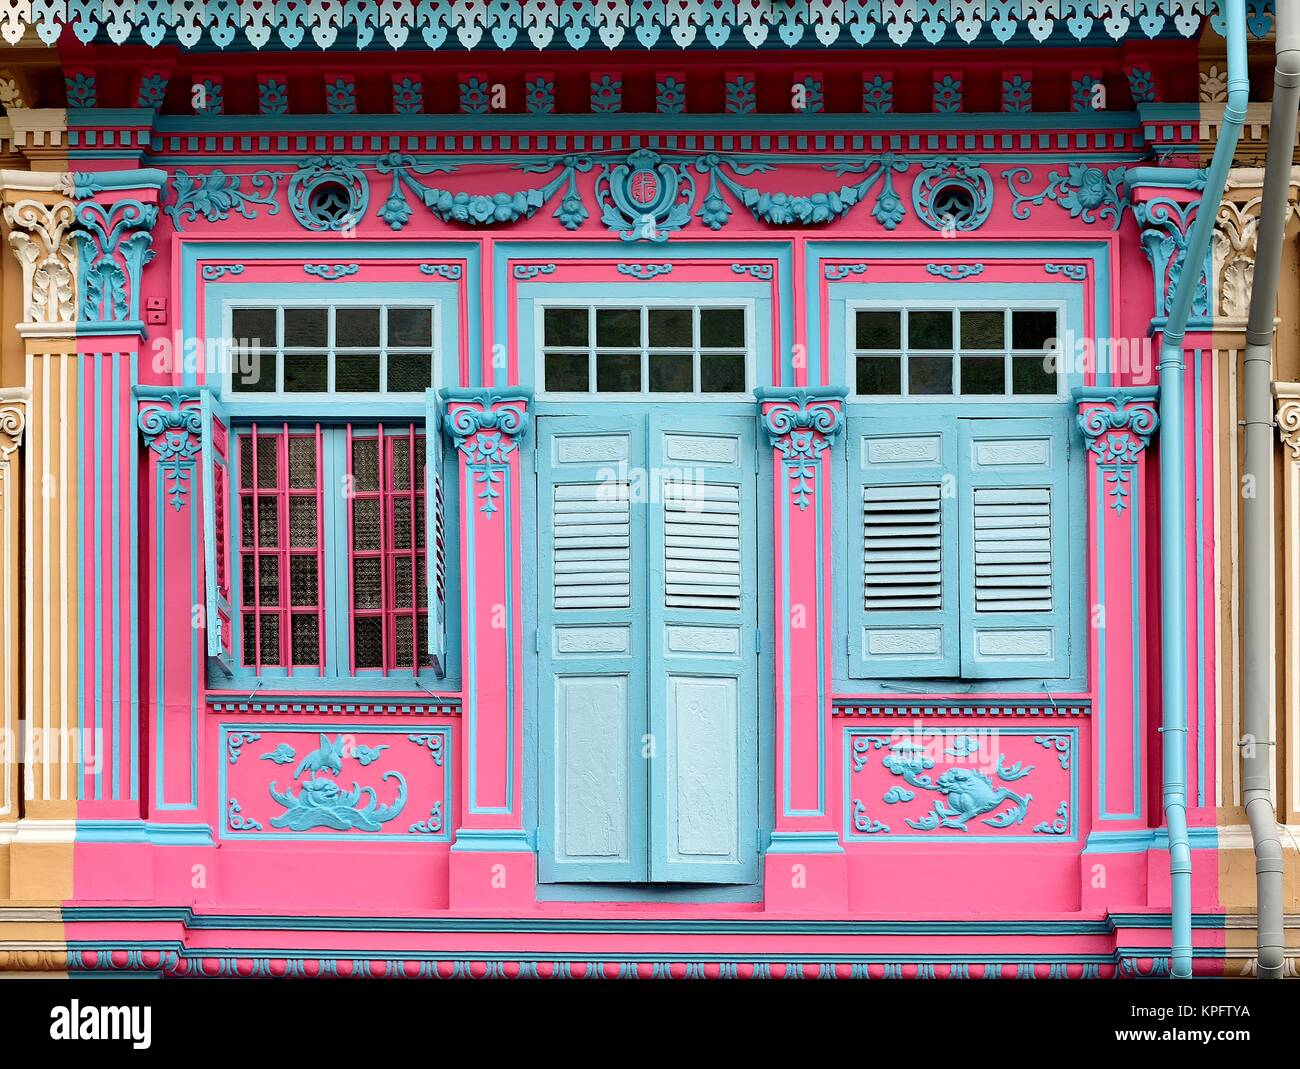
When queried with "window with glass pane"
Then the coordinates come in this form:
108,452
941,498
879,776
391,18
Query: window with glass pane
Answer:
645,349
281,547
332,349
386,532
984,352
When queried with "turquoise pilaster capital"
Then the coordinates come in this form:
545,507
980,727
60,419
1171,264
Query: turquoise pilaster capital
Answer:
787,413
492,418
170,420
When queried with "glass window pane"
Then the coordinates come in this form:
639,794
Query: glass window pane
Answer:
302,580
620,327
722,374
982,330
356,328
670,328
270,638
409,372
302,462
365,464
983,375
368,641
365,523
1031,375
878,330
268,462
880,375
306,641
929,375
618,372
1032,330
565,326
367,583
929,330
409,326
357,373
254,371
306,372
306,327
566,372
253,326
671,373
302,520
722,327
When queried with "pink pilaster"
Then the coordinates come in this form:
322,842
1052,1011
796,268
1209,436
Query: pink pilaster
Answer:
1117,425
492,863
805,864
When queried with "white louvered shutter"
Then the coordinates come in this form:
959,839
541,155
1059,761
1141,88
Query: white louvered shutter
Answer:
902,519
701,546
1015,558
592,554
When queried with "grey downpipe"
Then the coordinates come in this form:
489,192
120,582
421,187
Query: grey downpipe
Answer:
1173,549
1257,510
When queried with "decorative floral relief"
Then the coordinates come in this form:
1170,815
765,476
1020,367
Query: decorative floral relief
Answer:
955,782
741,95
340,96
1017,94
1116,428
152,91
1085,92
539,95
606,94
954,272
475,96
40,236
1087,193
408,96
1142,84
877,95
813,96
801,425
172,427
947,93
82,91
215,194
272,96
670,95
486,427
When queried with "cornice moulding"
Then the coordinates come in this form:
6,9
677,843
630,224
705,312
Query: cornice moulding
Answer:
36,182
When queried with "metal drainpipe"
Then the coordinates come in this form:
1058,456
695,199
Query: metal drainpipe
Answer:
1257,510
1173,551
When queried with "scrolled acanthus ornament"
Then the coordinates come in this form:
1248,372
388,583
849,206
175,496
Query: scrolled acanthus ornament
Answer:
1117,425
1288,417
172,426
801,424
40,235
486,425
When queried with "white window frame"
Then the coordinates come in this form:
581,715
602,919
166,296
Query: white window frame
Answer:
280,395
927,304
646,304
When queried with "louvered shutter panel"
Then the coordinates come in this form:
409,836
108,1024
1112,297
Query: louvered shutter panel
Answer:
592,547
1015,548
591,650
902,520
435,539
215,463
701,545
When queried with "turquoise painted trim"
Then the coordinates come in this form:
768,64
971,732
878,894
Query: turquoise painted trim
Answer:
1141,840
88,183
493,841
804,842
135,831
268,729
134,586
83,619
115,541
1099,504
97,361
755,924
1067,293
1198,405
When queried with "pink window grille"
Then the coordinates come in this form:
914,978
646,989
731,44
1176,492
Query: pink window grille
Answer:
386,549
281,548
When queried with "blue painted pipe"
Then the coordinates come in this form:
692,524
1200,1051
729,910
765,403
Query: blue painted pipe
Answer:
1173,532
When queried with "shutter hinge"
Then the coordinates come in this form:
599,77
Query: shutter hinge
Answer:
537,640
758,640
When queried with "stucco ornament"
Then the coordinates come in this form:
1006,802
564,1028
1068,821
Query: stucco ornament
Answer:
953,193
482,209
216,193
645,198
40,235
801,424
1087,193
114,241
322,803
328,193
1165,223
172,426
1116,428
13,419
486,426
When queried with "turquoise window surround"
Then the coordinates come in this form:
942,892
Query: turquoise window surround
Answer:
954,420
332,411
693,411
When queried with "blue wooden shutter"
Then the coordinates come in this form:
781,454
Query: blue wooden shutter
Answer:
435,538
591,650
703,663
217,449
1015,552
901,510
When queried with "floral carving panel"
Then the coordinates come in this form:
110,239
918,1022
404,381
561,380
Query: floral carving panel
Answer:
917,783
384,783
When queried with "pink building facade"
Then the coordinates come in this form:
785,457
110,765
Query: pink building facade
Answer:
584,510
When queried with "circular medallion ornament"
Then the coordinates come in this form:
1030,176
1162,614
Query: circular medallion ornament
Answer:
328,193
953,193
